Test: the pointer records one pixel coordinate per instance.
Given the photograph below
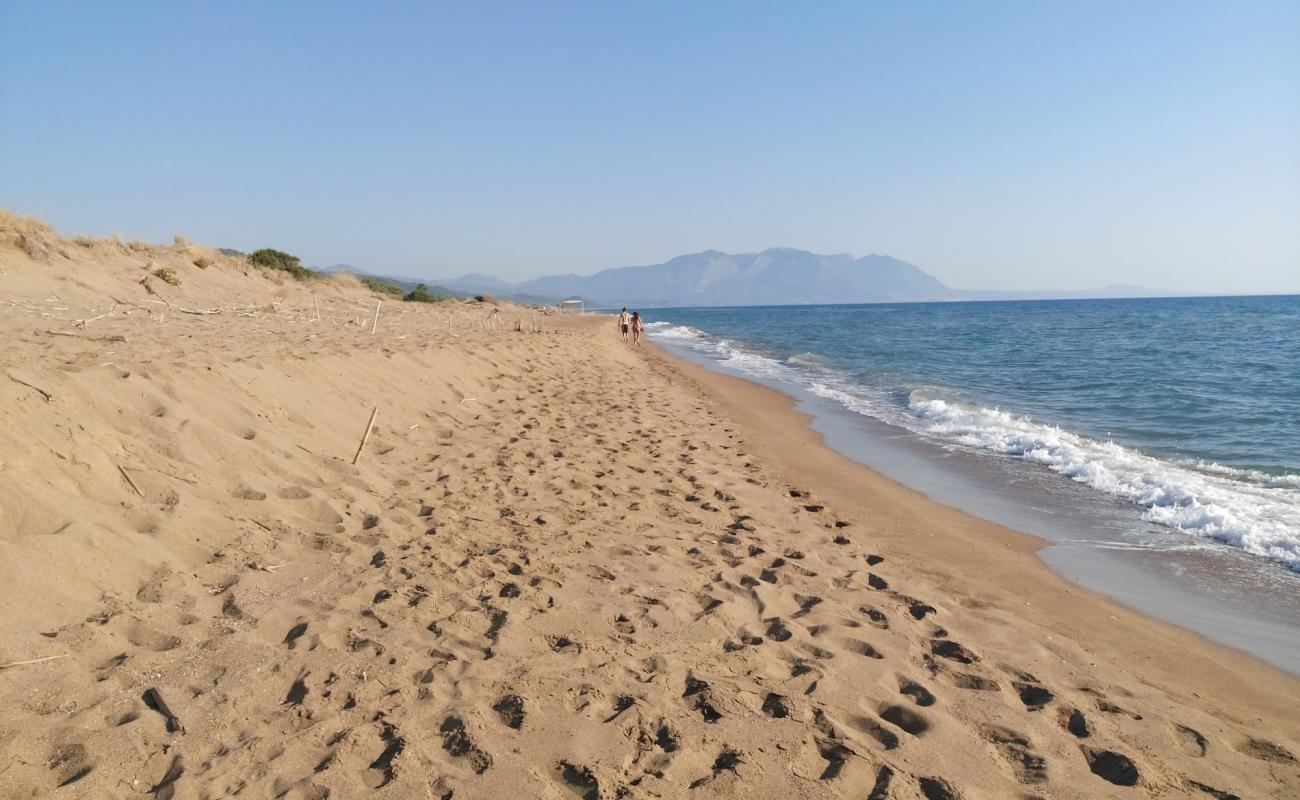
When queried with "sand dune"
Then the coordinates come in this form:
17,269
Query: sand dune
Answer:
562,567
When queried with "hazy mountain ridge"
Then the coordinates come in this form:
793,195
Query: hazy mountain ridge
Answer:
772,277
777,276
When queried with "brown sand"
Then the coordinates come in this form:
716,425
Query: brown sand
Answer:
563,567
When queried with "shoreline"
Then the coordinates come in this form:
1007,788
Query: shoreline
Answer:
782,434
1092,539
562,566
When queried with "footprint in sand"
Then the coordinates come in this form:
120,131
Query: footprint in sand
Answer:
945,648
1076,723
774,705
1113,767
579,780
142,635
937,789
457,742
1266,751
1032,694
511,710
1029,767
247,493
919,694
905,719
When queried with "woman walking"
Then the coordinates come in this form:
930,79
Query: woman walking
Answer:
637,327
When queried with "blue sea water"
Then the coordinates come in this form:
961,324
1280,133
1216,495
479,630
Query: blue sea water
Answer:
1187,409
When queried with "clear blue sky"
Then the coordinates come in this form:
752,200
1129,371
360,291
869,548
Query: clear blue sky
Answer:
1017,145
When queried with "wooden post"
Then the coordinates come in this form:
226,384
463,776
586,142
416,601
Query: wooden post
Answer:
366,437
375,327
316,305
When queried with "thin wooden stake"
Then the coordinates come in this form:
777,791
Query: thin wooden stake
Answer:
32,661
44,393
122,470
375,327
316,305
366,437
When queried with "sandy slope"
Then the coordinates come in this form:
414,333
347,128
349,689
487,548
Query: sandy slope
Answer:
562,568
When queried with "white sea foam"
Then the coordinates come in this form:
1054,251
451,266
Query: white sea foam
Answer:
1231,506
1251,510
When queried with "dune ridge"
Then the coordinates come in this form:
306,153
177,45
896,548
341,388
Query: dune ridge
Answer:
562,567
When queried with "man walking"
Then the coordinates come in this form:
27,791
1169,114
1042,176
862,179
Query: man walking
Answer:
624,323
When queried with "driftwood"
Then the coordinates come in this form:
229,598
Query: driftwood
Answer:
148,287
44,393
122,470
33,661
81,323
199,310
366,437
375,326
154,700
113,338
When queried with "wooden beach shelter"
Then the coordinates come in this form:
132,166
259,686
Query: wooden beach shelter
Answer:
572,305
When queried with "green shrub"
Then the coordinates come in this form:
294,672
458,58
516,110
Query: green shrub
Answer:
274,259
485,298
421,294
202,262
167,275
381,287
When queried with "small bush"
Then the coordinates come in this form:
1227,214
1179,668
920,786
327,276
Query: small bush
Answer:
421,294
167,275
83,240
274,259
381,287
202,262
485,298
139,245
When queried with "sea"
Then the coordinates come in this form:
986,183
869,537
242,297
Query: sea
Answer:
1155,443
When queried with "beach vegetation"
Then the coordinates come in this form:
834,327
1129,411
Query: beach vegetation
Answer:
202,262
485,298
167,275
82,240
421,294
277,260
379,286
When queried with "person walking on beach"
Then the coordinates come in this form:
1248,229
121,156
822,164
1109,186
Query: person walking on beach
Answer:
637,327
624,323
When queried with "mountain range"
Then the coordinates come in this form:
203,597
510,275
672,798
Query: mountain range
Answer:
778,276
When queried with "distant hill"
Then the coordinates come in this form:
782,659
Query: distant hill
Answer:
772,277
778,276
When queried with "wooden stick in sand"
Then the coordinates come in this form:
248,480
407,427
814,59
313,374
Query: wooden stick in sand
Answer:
32,661
44,393
375,326
366,437
122,470
316,305
113,338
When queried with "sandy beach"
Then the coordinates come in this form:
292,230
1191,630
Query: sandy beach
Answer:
561,566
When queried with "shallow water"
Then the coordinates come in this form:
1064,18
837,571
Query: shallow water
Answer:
1157,442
